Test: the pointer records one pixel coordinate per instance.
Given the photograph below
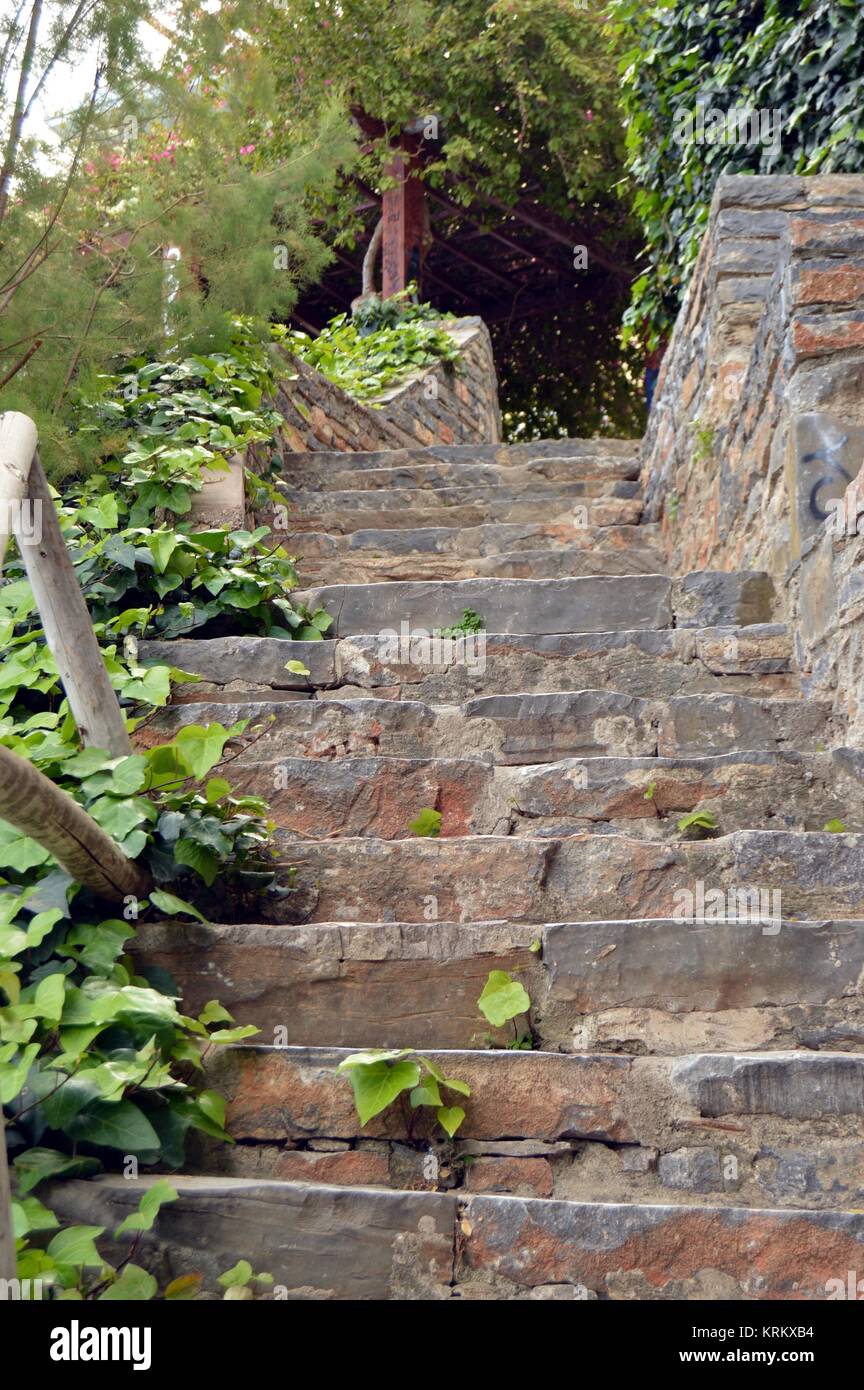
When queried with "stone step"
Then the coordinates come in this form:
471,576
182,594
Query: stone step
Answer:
606,454
566,562
594,877
416,508
550,606
601,477
467,544
634,987
778,1127
314,798
506,729
344,1244
756,660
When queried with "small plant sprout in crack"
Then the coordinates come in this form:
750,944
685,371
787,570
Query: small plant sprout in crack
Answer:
379,1078
703,441
468,623
426,824
699,825
504,1000
835,827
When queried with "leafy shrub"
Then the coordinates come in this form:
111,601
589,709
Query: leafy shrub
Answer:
807,59
161,424
378,348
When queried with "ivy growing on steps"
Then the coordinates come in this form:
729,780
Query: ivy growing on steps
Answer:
98,1062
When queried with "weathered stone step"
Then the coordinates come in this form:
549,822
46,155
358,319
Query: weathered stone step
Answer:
566,562
509,729
781,1127
756,660
594,877
623,454
349,797
345,1244
546,606
413,508
600,477
635,987
467,543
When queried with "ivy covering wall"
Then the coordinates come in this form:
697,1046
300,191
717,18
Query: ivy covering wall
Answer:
804,58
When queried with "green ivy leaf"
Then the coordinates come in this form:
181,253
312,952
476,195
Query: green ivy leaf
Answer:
450,1118
427,823
377,1084
502,998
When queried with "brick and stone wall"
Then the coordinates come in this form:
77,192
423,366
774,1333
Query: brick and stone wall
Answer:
438,405
757,431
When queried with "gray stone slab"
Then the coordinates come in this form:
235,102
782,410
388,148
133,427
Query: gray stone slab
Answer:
505,605
318,1242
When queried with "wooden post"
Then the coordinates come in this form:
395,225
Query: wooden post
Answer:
8,1261
68,629
17,447
402,210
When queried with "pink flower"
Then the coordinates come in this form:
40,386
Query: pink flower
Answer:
328,81
589,115
247,149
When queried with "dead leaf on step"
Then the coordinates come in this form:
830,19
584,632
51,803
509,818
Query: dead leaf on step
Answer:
607,950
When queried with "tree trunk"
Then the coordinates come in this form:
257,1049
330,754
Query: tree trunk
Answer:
369,261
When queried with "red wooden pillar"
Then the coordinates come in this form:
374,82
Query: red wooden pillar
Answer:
402,211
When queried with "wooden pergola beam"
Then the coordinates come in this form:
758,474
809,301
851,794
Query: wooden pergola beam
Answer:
475,264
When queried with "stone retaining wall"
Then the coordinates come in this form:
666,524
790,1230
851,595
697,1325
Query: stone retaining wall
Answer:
438,405
757,431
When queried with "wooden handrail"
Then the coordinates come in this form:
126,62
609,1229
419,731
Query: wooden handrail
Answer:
28,800
34,805
63,612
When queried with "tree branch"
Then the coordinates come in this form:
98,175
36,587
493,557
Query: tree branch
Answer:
19,109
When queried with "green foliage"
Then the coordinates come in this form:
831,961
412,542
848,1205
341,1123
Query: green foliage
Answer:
804,59
703,442
70,1267
426,824
517,101
385,343
379,1077
470,622
699,825
835,827
161,582
158,424
159,155
503,1000
522,90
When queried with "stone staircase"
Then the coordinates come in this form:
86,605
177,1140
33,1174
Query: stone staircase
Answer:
689,1123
